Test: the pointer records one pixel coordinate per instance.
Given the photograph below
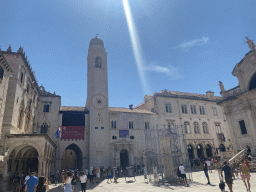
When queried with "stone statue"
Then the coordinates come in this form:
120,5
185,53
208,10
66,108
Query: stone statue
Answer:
250,43
222,89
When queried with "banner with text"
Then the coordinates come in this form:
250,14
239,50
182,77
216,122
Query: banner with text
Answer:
72,132
124,133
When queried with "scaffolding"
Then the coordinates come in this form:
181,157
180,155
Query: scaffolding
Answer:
166,149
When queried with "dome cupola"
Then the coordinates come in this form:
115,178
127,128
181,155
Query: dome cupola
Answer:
96,41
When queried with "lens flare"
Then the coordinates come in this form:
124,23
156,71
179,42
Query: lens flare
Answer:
135,45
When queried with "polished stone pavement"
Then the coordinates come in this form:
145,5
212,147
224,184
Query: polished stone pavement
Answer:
197,184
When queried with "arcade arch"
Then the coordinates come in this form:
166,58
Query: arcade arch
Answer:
208,149
72,157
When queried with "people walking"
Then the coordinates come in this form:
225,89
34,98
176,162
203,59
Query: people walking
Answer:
109,175
205,167
183,174
228,176
42,185
16,182
245,175
83,179
31,182
67,180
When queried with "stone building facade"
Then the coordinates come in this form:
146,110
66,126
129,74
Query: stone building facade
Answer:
239,103
97,134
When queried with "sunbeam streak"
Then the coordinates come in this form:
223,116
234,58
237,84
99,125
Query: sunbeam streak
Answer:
135,45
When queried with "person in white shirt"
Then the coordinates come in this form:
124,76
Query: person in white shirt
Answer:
183,174
83,179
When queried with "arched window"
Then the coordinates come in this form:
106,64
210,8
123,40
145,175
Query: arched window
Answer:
98,62
253,82
222,147
187,127
171,127
1,73
44,128
205,127
196,127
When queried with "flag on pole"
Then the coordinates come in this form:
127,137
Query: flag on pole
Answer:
57,134
223,137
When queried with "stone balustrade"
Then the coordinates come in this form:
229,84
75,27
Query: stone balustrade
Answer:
234,161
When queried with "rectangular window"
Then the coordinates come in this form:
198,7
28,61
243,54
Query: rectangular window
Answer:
46,108
96,128
184,109
28,87
201,109
102,127
21,78
146,125
168,108
193,109
218,128
130,124
242,127
214,111
113,124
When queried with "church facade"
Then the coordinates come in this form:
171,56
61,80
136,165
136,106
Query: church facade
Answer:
167,128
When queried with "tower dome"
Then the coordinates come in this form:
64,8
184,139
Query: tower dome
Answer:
96,41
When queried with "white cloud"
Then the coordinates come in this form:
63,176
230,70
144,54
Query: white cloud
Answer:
192,43
168,70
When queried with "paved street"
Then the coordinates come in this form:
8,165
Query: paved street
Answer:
197,185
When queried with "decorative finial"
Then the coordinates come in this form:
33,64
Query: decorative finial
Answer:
96,35
9,49
250,43
222,89
20,50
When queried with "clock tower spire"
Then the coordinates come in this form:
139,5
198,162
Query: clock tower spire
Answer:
97,103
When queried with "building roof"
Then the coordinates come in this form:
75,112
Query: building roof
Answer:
73,108
128,110
185,95
143,105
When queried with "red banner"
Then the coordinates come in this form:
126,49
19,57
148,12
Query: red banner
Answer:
72,132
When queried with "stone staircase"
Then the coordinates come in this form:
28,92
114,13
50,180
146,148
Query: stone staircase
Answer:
253,164
235,161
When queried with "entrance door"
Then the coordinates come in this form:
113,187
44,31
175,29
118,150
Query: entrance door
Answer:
124,158
208,151
190,152
199,151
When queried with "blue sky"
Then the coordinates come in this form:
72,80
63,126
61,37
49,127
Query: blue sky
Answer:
185,46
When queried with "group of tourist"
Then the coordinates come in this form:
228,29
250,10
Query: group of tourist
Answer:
29,183
231,173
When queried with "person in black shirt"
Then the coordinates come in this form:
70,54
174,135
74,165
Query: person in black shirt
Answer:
16,182
228,175
206,172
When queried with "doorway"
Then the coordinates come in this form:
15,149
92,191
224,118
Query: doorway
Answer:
190,152
124,158
208,150
200,151
72,158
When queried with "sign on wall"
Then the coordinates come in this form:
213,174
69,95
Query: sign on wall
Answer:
72,132
124,133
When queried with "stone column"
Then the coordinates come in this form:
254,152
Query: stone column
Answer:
40,161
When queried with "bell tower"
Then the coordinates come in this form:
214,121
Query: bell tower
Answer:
97,103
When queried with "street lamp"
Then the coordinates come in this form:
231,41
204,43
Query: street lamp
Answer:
6,152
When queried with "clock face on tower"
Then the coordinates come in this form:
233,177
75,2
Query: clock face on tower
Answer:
99,101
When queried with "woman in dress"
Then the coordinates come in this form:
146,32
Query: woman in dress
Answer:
67,180
245,174
83,179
